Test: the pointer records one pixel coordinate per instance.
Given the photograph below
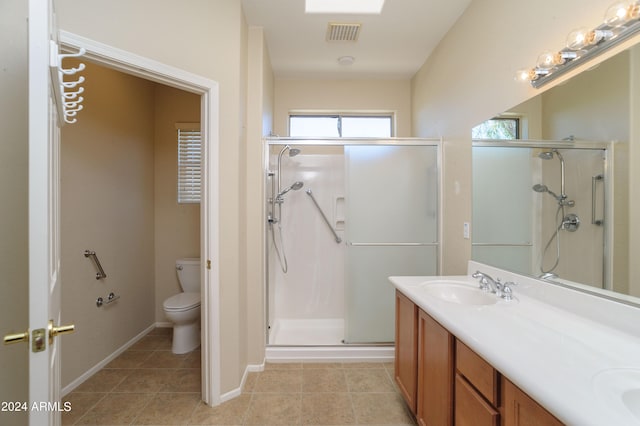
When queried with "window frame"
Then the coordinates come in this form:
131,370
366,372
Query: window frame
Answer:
515,118
188,188
339,116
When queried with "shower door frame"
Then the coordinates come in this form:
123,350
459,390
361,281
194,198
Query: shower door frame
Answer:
298,141
608,148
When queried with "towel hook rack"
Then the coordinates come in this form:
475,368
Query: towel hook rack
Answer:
94,257
67,102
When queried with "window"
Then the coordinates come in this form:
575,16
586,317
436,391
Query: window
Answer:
497,128
189,163
341,126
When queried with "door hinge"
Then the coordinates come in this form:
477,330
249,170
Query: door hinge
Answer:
208,264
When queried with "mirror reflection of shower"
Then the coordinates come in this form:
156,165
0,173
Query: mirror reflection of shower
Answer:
568,222
277,199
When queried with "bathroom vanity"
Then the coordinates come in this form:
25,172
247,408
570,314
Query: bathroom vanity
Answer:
549,356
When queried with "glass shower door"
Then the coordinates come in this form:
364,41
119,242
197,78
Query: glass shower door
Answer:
391,229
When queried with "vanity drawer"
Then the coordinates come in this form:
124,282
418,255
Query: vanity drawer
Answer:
478,372
471,409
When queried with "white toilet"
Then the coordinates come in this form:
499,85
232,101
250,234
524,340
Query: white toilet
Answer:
183,309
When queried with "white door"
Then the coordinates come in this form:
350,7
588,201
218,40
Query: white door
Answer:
44,226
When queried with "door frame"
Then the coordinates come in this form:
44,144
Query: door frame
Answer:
208,90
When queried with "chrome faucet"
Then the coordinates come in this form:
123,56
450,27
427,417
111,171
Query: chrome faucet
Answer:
487,283
490,285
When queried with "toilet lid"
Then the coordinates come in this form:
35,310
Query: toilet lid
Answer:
182,302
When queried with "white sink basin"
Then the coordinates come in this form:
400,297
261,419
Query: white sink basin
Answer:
459,293
620,388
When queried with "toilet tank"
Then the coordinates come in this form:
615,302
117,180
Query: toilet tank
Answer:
188,270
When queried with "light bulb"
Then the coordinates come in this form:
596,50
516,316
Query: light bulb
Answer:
549,60
546,61
619,13
581,38
526,75
577,39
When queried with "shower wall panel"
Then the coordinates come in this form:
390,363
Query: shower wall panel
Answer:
313,287
582,251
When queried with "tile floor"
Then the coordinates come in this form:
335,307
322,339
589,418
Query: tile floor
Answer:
148,385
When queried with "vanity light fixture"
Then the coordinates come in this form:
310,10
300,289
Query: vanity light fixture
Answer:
621,22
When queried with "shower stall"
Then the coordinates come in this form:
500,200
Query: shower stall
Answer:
342,216
539,208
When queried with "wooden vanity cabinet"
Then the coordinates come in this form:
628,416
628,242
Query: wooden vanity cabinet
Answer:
435,372
406,360
520,410
444,382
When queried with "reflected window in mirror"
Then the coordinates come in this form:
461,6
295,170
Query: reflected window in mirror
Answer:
498,128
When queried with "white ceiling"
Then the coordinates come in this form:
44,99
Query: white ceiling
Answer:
393,44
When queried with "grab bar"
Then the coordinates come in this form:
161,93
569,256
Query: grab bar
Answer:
310,194
594,180
92,255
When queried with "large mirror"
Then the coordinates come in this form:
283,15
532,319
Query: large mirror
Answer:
556,203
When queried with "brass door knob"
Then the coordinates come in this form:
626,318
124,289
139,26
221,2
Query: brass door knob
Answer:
16,338
62,329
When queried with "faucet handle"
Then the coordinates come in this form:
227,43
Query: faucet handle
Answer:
507,291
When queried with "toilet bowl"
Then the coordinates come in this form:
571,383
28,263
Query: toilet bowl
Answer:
183,309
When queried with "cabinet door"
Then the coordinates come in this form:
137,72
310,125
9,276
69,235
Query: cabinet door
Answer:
471,408
521,410
406,362
435,373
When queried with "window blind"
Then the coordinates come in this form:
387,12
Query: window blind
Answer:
189,166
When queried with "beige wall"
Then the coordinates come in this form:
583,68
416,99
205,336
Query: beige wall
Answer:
14,256
107,205
343,96
177,226
209,43
469,78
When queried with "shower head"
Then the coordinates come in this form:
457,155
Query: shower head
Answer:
546,155
538,187
294,186
297,185
292,153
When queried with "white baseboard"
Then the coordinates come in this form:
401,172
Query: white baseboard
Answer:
236,392
93,370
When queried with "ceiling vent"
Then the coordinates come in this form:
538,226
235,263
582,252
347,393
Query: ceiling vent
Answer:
343,32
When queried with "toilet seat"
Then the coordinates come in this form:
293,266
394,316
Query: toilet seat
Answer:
182,302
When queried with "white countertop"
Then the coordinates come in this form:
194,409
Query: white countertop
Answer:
551,353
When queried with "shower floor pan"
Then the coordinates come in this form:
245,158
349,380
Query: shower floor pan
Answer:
321,341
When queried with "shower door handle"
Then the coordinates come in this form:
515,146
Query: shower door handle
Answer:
594,180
